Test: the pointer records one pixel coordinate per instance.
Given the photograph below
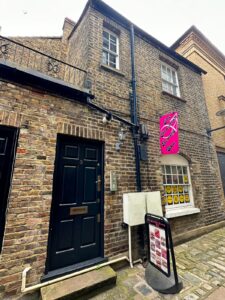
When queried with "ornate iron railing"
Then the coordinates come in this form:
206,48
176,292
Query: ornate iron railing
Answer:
26,57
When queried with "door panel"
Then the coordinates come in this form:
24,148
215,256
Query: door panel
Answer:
8,138
75,227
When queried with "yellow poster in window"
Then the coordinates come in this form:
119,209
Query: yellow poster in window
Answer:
180,189
168,189
187,199
181,198
185,178
169,200
176,199
175,189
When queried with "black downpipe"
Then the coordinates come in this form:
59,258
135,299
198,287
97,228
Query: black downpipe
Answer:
133,108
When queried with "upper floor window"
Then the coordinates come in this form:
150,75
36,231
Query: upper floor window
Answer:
110,51
169,80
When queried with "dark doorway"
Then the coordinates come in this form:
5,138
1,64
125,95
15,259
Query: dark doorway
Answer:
8,139
76,225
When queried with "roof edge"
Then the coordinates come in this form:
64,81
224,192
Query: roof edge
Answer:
195,30
108,11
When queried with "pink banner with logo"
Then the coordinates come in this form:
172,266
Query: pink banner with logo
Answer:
169,138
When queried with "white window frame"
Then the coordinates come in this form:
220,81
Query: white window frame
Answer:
169,82
181,209
104,49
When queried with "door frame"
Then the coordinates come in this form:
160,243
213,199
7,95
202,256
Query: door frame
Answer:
64,270
9,176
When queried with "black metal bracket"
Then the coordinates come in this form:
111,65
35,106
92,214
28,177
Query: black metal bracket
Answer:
208,131
110,114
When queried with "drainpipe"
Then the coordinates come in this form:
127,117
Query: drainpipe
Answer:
133,108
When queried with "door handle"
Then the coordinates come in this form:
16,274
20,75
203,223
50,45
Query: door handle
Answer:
99,183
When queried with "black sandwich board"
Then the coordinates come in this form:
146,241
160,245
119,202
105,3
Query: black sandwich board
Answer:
159,274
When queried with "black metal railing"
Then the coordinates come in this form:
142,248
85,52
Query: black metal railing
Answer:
26,57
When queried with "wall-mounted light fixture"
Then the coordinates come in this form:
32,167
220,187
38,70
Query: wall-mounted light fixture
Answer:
107,118
121,137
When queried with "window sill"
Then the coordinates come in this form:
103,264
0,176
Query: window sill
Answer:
173,96
110,69
179,212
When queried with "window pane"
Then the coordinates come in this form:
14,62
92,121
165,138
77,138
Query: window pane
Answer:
105,58
174,169
181,198
181,179
106,34
179,169
174,92
112,60
176,199
169,77
185,179
113,47
175,179
168,170
185,170
105,43
164,86
174,77
169,179
112,39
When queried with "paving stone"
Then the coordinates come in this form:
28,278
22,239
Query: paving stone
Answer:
191,278
216,282
207,287
191,297
201,292
143,288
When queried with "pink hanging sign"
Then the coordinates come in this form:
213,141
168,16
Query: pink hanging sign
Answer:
169,139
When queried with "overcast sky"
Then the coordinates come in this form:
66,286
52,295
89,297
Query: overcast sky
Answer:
166,20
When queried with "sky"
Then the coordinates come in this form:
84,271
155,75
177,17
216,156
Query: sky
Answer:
166,20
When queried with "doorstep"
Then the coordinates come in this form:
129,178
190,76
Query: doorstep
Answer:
73,268
80,285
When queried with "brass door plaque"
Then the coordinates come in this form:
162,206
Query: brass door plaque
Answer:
79,210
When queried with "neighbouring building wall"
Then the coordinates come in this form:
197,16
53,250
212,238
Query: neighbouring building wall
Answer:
198,51
194,46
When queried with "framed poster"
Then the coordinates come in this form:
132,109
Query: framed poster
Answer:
158,245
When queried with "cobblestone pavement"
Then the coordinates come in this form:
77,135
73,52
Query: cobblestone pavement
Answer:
201,266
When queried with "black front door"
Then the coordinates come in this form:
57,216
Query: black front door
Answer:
8,136
77,208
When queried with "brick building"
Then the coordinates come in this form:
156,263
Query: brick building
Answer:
194,46
58,150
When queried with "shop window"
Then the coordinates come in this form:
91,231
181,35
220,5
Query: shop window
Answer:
110,49
177,196
169,80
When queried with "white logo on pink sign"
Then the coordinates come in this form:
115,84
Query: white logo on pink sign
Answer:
169,138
